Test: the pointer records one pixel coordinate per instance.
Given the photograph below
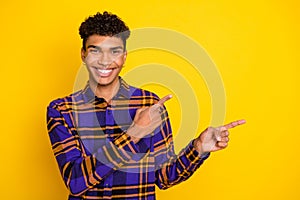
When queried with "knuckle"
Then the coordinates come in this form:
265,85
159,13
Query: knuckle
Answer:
138,110
225,144
210,128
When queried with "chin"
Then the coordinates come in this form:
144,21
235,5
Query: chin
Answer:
100,83
103,82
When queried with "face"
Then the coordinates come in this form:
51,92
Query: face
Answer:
104,57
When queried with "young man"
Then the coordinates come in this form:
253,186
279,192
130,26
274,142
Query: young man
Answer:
112,140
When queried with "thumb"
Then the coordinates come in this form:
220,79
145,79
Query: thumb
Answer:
139,111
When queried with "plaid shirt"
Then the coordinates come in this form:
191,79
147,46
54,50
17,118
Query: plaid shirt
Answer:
97,158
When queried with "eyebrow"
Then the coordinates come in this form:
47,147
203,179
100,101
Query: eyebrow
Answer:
98,47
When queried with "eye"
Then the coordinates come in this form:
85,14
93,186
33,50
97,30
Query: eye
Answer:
116,52
94,51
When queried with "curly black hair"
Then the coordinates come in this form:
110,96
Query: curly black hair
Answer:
106,24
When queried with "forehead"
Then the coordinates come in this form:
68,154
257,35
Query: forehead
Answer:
104,41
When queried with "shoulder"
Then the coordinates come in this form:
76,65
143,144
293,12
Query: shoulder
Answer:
65,102
134,91
146,96
138,95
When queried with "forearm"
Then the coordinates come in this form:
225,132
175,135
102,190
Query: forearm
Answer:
179,168
81,172
81,168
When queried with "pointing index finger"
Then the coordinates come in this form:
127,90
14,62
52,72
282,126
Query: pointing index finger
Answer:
164,99
235,123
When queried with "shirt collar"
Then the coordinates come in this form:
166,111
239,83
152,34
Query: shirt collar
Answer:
123,92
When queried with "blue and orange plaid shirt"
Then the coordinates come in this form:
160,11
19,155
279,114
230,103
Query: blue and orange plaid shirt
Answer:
97,158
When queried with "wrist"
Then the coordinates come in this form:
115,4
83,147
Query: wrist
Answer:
198,146
133,138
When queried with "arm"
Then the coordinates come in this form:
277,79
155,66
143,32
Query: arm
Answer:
172,169
175,169
81,170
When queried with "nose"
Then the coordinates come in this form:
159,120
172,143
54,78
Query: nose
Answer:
105,60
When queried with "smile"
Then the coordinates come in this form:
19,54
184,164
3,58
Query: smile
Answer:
104,71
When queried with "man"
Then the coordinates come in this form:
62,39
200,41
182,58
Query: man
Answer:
112,140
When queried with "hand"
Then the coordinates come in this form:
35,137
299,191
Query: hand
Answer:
147,119
214,139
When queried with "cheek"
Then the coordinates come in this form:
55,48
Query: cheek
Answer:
90,60
120,61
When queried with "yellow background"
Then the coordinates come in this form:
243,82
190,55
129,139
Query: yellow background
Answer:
255,45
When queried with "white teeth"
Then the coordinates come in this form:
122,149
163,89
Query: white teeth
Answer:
104,71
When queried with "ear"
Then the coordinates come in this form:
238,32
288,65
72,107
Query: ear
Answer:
83,55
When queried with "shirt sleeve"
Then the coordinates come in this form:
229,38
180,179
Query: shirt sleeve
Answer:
172,169
81,170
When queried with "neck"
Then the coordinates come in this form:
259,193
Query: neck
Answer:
105,91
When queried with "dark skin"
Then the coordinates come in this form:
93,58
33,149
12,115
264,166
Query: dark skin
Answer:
210,140
104,59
